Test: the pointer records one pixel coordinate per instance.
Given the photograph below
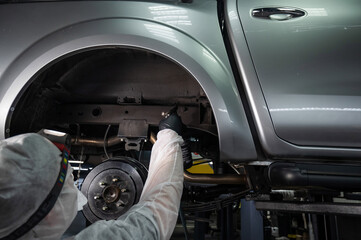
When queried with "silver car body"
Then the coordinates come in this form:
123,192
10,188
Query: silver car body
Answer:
300,77
36,34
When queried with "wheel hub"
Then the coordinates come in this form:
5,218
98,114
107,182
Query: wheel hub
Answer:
111,194
112,188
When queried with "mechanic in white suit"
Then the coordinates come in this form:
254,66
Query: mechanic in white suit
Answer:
30,170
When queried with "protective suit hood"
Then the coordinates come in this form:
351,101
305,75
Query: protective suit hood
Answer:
29,167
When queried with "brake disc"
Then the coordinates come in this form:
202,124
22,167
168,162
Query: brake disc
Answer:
112,188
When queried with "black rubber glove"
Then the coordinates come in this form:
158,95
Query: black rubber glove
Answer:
173,121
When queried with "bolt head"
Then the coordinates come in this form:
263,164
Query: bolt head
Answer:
105,208
115,179
123,190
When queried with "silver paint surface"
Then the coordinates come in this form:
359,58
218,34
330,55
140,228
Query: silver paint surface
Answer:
281,95
36,34
309,70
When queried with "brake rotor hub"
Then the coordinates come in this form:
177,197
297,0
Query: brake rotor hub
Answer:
111,194
112,188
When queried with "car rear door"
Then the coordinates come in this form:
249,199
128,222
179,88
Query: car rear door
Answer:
307,57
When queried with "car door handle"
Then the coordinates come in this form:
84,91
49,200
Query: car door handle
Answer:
278,14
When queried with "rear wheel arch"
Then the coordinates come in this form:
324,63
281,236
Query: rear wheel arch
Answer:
210,73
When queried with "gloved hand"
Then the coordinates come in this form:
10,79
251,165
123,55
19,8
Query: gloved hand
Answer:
173,122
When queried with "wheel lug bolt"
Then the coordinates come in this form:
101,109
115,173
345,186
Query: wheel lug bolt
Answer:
105,208
102,184
115,179
123,190
120,204
96,197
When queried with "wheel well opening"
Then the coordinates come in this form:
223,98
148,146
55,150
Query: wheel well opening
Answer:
109,92
116,76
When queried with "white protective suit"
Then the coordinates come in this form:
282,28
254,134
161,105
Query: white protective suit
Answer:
29,166
153,217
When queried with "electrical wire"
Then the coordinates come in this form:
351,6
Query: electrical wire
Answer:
105,143
80,160
140,152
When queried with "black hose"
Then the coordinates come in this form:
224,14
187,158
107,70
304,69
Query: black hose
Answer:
186,154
